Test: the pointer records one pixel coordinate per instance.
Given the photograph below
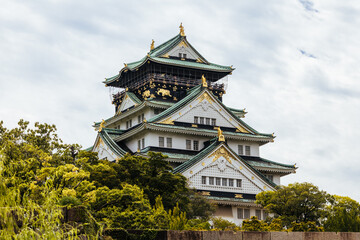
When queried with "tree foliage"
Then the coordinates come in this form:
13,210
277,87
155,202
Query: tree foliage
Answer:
343,215
39,175
298,202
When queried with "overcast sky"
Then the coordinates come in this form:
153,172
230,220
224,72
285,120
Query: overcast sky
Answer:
297,70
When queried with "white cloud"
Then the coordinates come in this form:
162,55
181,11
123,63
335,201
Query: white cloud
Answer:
54,55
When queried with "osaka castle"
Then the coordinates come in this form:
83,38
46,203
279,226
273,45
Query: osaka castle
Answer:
171,101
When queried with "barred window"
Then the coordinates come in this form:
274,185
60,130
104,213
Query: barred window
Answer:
258,214
247,151
196,145
238,183
169,142
161,141
224,181
196,120
207,121
143,143
139,146
211,180
240,149
246,213
201,120
231,182
188,144
203,180
270,177
218,181
213,121
240,213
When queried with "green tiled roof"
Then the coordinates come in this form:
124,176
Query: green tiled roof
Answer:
170,154
192,94
186,165
259,162
195,91
133,97
107,135
199,130
156,54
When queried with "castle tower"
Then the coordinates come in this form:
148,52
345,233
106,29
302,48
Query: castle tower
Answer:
172,103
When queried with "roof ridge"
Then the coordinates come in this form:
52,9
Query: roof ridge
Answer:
193,160
281,164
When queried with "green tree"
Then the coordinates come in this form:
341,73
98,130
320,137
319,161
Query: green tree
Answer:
254,224
343,215
224,225
298,202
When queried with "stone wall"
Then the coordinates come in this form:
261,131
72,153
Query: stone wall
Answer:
228,235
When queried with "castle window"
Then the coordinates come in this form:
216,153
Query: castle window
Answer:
246,213
207,121
213,121
258,214
201,120
238,183
143,143
211,180
139,145
240,213
240,149
203,180
218,181
129,124
247,151
188,144
270,177
161,141
196,145
184,55
224,181
142,117
196,120
169,142
139,119
231,182
180,55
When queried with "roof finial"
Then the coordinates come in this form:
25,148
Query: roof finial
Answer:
102,125
204,83
221,137
182,33
152,45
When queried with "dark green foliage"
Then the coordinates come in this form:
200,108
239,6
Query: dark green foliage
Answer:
343,215
298,202
69,201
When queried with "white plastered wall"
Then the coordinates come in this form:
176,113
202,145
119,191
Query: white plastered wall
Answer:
254,147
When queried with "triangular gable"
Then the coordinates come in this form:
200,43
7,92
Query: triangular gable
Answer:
222,162
185,48
128,101
106,147
176,45
206,105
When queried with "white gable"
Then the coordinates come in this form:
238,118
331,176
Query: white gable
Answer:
126,103
104,152
183,48
207,107
221,163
